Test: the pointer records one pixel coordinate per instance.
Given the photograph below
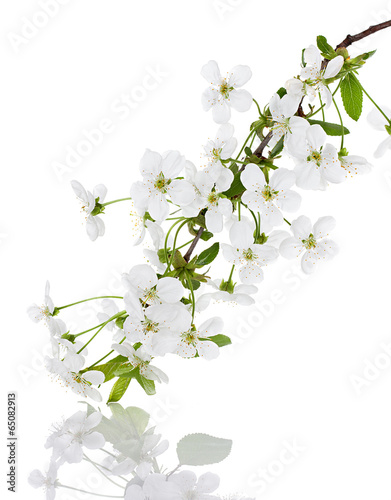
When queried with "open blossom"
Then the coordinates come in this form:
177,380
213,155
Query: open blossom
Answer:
195,340
143,225
142,281
76,433
354,165
160,182
210,196
379,122
94,224
317,164
45,312
141,359
225,92
313,78
48,482
247,255
311,241
240,294
285,124
221,148
269,198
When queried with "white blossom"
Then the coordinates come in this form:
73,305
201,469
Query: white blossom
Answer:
94,224
221,148
241,294
195,341
48,482
225,92
45,312
379,122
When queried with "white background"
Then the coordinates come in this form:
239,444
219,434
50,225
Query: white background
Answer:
291,378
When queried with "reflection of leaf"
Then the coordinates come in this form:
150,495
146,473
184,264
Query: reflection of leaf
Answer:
202,449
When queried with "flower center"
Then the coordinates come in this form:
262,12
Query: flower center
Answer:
190,337
249,255
315,157
216,154
213,198
161,183
149,326
150,295
310,242
268,193
225,89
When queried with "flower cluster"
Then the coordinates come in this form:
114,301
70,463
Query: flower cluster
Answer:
126,453
243,192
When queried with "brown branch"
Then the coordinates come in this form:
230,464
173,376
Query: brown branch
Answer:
370,31
193,244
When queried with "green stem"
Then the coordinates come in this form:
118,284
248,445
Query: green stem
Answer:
174,249
166,239
376,105
245,143
101,471
89,330
191,292
321,107
287,221
100,329
259,109
87,300
115,201
231,273
102,359
341,122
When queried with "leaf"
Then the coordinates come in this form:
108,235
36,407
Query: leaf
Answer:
109,369
133,419
208,255
248,151
119,389
352,96
202,449
146,384
221,340
281,92
277,148
326,49
236,188
206,235
332,129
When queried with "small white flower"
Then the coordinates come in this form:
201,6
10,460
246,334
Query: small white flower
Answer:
379,122
94,224
110,309
143,282
196,489
240,295
195,341
313,77
311,240
317,164
269,199
247,255
285,124
221,148
76,433
141,359
225,92
354,165
48,482
159,182
44,313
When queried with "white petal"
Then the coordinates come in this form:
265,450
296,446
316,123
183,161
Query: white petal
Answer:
211,73
170,290
324,226
333,67
240,100
221,111
301,227
241,235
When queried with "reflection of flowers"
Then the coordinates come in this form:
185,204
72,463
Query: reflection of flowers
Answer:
126,452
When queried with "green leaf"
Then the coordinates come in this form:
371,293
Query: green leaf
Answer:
202,449
352,96
221,340
332,129
236,188
146,384
326,49
208,255
110,368
281,92
119,389
277,148
206,235
248,151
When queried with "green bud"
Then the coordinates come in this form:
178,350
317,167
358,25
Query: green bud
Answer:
227,286
261,239
119,322
68,336
388,128
342,51
343,152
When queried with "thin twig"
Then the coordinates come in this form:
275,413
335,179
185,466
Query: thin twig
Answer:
194,244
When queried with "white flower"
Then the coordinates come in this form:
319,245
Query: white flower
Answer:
210,196
196,489
81,384
313,77
155,487
95,226
317,164
223,92
312,240
195,341
354,165
155,327
110,309
245,253
379,122
76,433
143,282
285,124
240,295
221,148
48,482
141,359
269,198
143,225
44,313
159,182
